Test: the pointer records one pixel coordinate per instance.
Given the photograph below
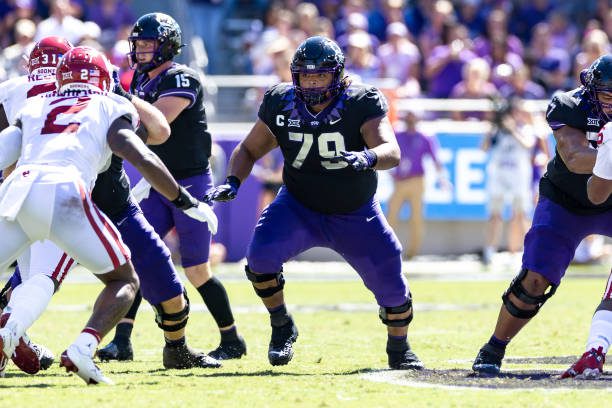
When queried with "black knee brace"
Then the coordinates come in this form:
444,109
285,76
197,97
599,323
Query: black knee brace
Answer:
517,289
266,277
182,317
384,312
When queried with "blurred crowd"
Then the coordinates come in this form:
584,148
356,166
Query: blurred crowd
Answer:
102,24
443,48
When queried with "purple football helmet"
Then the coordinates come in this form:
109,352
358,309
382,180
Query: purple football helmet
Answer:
318,55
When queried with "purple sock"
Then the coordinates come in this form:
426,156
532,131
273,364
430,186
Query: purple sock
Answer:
494,341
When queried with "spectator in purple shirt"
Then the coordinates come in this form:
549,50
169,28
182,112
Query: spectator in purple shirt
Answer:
444,65
409,178
399,56
439,17
521,86
475,85
361,63
551,65
497,28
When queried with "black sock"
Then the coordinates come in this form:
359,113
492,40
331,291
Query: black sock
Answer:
397,343
279,316
131,314
500,344
123,332
215,297
229,335
175,343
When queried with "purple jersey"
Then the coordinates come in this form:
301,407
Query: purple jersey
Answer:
414,146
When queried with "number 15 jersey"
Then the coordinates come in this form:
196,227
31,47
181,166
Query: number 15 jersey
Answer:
309,142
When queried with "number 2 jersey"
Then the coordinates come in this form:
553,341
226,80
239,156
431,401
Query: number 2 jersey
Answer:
574,109
309,142
70,130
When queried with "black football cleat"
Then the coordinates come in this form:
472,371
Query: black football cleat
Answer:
120,351
489,360
280,350
404,360
229,350
183,357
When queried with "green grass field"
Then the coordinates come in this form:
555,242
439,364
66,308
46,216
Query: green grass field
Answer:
337,355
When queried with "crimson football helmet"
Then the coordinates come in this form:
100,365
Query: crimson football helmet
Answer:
47,52
82,68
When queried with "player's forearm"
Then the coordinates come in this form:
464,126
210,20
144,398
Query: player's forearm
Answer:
598,189
153,120
241,163
580,161
388,155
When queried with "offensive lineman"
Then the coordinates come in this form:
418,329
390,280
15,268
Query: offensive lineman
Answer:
333,135
176,91
564,215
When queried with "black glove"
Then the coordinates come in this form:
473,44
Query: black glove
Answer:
118,89
224,192
185,200
364,160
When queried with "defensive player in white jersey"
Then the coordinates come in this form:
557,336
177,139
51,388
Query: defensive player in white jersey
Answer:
599,188
42,64
62,142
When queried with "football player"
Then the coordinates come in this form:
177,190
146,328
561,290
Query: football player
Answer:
564,214
62,140
159,280
177,92
333,136
599,188
42,62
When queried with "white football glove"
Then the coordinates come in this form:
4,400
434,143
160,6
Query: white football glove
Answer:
204,213
141,190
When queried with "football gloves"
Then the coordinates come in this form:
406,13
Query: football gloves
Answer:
117,88
196,209
359,161
224,192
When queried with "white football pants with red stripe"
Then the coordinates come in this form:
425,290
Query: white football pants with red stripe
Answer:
58,208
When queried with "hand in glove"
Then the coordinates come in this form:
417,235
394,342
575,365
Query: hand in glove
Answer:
196,209
224,192
359,160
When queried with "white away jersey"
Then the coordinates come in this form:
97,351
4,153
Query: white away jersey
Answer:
70,131
15,91
603,163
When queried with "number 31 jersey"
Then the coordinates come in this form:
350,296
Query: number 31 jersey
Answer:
70,131
309,143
